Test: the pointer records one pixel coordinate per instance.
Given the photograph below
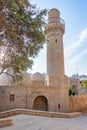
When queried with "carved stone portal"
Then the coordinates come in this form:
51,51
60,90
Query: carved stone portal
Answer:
40,103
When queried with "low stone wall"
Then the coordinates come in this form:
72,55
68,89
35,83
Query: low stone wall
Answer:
38,113
5,122
78,103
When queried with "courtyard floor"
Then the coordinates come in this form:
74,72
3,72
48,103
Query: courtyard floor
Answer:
29,122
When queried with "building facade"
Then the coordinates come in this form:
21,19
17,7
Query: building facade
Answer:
36,92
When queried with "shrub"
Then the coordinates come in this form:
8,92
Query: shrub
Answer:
71,92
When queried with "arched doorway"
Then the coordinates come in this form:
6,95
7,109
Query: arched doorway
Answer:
40,103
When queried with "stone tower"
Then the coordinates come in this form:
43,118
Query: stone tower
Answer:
55,58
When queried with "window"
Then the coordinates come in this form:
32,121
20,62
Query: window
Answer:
58,106
56,40
11,97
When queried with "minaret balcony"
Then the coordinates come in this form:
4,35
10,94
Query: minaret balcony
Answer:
55,23
56,20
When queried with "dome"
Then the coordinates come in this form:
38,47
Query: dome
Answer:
37,77
26,79
6,80
26,74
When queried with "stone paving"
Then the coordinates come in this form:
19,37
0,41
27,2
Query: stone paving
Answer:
29,122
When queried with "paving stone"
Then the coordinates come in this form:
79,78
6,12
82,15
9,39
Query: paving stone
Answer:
29,122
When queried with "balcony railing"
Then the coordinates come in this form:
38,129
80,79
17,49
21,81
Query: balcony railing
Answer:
56,20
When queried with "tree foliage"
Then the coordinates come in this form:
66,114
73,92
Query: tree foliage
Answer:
21,35
71,92
84,84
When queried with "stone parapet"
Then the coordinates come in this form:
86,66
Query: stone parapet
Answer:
38,113
5,122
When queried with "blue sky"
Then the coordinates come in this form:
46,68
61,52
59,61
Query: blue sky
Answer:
74,12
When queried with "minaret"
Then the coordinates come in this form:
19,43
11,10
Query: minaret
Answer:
54,32
54,36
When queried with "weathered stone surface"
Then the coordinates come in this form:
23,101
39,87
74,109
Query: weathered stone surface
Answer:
31,122
5,122
38,113
50,94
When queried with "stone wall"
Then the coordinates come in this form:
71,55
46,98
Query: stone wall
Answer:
5,122
82,91
75,85
12,97
24,97
78,103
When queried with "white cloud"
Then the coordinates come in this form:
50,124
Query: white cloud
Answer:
83,35
70,55
78,57
73,47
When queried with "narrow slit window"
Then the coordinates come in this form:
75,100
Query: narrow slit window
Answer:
58,106
12,97
56,40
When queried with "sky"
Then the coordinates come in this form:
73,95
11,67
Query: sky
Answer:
74,13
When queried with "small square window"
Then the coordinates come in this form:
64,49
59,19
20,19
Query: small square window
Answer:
11,97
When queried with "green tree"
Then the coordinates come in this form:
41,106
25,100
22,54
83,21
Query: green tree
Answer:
84,84
21,35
